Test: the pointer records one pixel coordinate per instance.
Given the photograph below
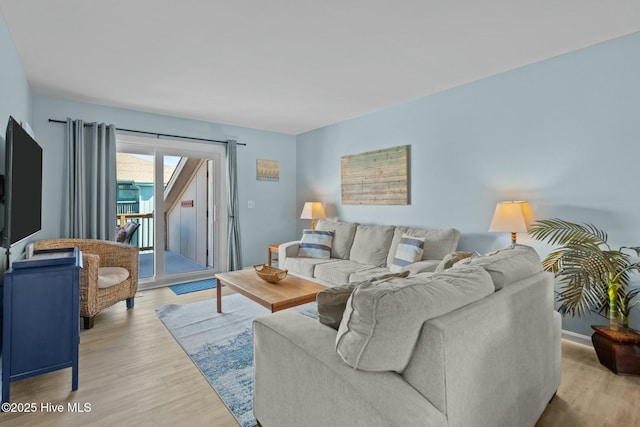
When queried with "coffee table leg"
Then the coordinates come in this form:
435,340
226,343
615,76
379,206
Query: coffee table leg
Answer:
219,295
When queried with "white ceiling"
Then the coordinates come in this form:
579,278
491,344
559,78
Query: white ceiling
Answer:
290,65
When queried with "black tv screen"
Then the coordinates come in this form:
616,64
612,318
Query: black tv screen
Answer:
23,185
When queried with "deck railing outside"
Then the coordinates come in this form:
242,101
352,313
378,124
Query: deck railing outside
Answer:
143,237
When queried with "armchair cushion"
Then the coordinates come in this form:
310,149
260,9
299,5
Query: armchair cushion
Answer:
110,276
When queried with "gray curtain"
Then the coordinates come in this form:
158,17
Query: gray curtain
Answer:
91,198
233,224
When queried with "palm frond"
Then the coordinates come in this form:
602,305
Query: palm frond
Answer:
579,294
625,297
560,232
587,258
636,249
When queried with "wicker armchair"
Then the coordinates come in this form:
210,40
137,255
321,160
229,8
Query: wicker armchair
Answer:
97,254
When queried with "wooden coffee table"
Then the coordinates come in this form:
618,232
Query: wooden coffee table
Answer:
288,292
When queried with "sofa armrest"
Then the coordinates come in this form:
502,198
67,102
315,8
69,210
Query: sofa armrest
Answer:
493,362
285,250
301,380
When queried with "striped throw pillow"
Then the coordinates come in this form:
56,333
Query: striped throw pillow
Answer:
316,244
409,250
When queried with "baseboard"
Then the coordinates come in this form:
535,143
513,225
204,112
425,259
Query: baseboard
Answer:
576,337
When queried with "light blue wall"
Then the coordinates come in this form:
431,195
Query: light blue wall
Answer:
15,94
563,134
15,100
272,220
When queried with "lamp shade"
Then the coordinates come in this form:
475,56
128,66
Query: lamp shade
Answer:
312,210
512,217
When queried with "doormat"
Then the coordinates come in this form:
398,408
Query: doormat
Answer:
200,285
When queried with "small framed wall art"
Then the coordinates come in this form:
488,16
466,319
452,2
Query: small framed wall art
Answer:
267,170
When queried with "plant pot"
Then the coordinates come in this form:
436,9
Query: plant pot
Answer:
617,349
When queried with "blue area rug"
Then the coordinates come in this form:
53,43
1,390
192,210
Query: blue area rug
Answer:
200,285
221,345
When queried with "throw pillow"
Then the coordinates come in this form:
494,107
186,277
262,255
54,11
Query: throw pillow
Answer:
381,324
343,237
452,258
333,301
507,266
315,244
409,251
121,234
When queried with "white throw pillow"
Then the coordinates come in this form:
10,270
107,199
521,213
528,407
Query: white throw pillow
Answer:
316,244
409,250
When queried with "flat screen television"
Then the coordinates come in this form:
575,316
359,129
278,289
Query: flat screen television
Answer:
22,194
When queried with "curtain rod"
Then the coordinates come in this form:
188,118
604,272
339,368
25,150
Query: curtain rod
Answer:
192,138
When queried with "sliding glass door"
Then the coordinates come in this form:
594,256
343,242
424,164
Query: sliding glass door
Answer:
135,204
188,203
174,191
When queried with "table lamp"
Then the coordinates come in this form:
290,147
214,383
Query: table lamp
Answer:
512,217
312,211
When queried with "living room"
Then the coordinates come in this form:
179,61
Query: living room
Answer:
557,129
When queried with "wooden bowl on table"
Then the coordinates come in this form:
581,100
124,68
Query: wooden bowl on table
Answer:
270,274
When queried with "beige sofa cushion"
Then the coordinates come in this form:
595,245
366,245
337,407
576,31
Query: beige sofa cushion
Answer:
437,243
506,266
371,274
371,244
340,271
343,236
304,266
381,323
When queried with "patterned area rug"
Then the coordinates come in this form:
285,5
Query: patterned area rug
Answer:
221,345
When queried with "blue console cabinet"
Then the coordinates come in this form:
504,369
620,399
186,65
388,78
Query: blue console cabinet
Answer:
41,318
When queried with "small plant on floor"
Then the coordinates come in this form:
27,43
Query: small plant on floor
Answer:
592,275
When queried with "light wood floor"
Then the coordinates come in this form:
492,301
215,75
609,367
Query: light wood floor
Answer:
133,373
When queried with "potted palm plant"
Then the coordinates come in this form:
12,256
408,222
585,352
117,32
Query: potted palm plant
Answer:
593,277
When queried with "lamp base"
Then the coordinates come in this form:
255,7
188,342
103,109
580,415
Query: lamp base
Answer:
513,240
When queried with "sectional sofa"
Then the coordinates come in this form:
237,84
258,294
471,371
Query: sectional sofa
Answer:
477,344
360,252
